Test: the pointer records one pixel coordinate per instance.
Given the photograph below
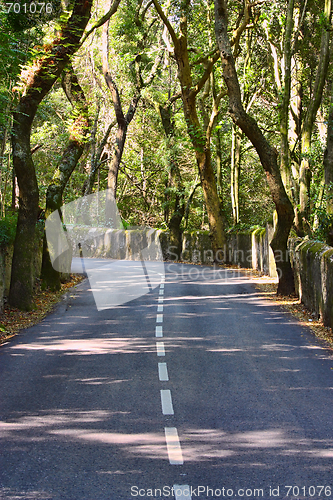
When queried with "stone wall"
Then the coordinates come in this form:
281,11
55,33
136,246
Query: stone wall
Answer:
2,276
248,249
312,263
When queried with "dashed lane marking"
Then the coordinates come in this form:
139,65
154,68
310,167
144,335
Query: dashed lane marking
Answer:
173,446
182,492
167,407
160,349
159,318
159,331
163,372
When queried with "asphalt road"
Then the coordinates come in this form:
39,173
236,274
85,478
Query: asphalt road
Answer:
198,389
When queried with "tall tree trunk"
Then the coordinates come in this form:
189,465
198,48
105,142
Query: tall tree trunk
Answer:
219,172
44,73
235,171
71,155
305,169
122,119
267,154
177,215
200,138
328,167
194,187
284,110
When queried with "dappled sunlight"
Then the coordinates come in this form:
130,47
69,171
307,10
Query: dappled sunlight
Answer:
198,445
118,438
207,444
254,449
57,418
100,381
91,346
224,350
13,494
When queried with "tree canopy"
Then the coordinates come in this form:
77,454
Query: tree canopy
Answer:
198,116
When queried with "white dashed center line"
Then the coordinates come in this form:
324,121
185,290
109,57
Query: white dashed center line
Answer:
160,349
163,372
173,446
182,492
159,331
167,408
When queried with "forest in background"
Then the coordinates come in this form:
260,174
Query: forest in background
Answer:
199,115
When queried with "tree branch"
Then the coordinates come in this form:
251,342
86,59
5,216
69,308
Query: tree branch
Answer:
102,20
206,74
166,22
107,75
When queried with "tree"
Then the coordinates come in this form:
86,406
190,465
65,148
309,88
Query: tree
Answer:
267,154
308,124
302,65
200,136
69,160
38,80
328,171
175,181
124,120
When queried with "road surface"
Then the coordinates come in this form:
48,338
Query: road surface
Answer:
198,389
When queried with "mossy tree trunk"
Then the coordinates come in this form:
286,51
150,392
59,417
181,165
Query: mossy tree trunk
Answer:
328,166
177,215
267,154
200,136
305,167
43,73
235,171
284,109
71,155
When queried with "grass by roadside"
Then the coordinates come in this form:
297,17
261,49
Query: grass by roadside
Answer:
13,320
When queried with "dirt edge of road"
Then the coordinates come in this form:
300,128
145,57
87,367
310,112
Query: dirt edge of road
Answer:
13,320
267,287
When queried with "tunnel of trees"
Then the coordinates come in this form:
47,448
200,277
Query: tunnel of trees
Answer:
198,114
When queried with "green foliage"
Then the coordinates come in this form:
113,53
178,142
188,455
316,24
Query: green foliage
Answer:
8,229
325,224
243,227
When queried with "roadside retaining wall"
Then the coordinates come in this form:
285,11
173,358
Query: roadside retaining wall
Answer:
2,277
312,263
249,249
